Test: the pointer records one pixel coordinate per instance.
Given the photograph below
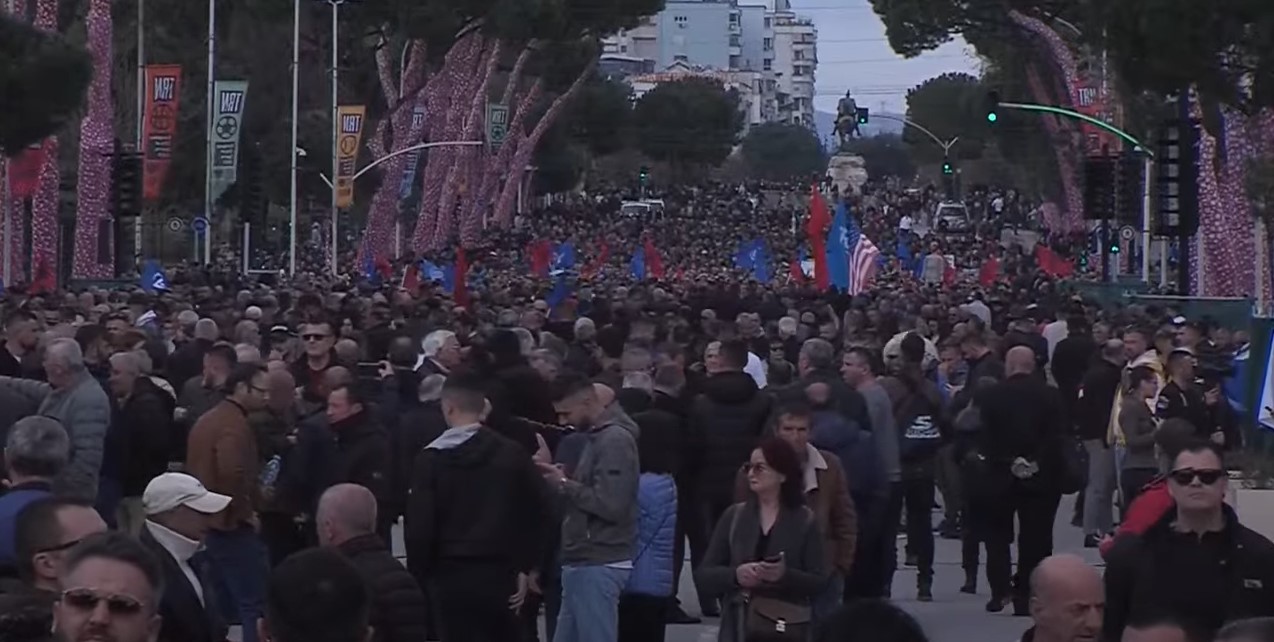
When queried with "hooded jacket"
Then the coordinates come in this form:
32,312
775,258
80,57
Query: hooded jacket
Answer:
728,418
600,497
469,467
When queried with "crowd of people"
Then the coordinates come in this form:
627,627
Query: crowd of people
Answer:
246,452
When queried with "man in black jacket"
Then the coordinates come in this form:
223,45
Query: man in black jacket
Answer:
144,421
478,562
363,449
729,417
346,521
1021,440
1198,562
1071,358
1096,397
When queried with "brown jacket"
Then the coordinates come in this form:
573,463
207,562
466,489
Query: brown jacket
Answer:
833,508
222,453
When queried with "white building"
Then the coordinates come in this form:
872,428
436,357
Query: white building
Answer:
764,37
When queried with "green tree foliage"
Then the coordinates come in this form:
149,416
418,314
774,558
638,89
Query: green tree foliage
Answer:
778,151
916,26
601,115
950,106
1224,48
688,122
42,83
884,156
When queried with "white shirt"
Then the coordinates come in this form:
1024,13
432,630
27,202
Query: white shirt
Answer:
756,369
814,462
181,548
905,223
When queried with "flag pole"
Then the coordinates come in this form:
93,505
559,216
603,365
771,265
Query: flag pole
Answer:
207,183
296,66
141,119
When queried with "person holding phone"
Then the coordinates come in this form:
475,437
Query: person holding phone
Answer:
766,555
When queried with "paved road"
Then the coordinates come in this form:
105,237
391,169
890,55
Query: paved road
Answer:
951,617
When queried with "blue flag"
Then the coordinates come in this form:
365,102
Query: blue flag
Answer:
743,259
153,279
369,269
431,271
561,290
637,265
563,258
449,279
759,257
839,245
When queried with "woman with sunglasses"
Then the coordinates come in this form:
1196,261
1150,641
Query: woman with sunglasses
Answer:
766,554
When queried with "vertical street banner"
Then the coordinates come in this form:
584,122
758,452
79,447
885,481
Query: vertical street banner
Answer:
497,124
229,99
1091,101
349,135
413,158
159,126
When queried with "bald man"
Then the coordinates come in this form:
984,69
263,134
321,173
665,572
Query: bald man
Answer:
1022,437
346,521
1066,602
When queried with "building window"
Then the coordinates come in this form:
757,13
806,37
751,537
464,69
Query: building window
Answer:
769,22
734,18
798,55
680,58
767,65
623,49
681,20
734,40
767,44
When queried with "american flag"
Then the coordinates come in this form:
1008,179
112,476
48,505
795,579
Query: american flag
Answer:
864,258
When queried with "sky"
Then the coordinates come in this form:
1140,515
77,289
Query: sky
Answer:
854,54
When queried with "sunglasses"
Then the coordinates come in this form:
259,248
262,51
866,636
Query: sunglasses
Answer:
313,337
1186,476
87,600
59,548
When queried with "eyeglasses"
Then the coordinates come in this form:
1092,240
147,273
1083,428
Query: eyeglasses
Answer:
754,469
82,599
313,337
1186,476
60,547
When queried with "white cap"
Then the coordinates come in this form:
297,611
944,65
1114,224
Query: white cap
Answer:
170,490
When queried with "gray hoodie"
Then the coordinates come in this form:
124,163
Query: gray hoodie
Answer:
85,413
600,521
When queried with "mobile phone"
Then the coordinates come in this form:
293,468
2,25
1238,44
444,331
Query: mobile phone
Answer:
775,559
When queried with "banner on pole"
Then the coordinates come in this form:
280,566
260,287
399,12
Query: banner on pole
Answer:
413,158
349,120
1090,100
497,124
230,97
159,126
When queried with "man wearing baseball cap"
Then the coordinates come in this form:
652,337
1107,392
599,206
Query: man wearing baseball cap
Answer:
179,511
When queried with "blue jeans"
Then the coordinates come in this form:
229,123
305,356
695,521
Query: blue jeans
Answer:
590,604
242,564
829,599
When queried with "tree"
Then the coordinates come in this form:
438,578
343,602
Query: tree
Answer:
601,115
884,156
949,106
779,151
693,121
43,79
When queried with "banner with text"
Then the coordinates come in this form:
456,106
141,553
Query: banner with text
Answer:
159,127
229,99
349,119
413,157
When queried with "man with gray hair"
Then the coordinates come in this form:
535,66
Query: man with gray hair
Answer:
34,454
73,397
143,435
440,352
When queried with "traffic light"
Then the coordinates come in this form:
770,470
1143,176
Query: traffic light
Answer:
947,168
126,184
1114,247
1130,190
252,201
992,106
1099,187
1176,194
863,114
644,175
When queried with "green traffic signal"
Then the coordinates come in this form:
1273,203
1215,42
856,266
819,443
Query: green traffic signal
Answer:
992,106
1114,248
992,117
947,168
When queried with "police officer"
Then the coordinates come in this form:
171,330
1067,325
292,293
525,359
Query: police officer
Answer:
1182,398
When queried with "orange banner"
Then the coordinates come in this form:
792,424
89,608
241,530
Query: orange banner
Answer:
1091,100
159,127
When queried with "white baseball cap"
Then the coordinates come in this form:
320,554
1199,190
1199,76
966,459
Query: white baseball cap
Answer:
170,490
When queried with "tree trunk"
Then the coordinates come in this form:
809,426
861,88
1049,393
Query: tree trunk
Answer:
44,216
97,140
440,102
498,164
526,148
462,158
1063,146
400,125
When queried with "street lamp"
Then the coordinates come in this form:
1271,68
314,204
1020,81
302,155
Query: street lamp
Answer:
336,6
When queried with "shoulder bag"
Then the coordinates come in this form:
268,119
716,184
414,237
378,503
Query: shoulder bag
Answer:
772,619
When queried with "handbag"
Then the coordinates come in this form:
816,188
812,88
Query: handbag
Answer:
770,619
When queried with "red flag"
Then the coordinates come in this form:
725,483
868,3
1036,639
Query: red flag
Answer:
411,279
795,273
384,268
541,254
461,295
24,172
1052,264
816,232
654,264
43,281
989,272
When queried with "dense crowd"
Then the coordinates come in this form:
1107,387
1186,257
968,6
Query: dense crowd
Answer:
232,451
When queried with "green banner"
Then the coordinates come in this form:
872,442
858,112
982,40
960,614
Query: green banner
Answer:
229,99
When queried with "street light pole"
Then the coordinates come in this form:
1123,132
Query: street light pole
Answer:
336,128
296,67
141,118
207,186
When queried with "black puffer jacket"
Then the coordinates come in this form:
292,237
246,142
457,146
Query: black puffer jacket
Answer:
364,458
26,614
398,605
729,418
